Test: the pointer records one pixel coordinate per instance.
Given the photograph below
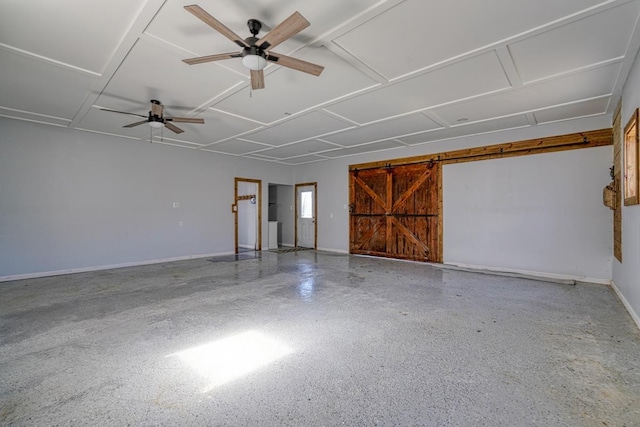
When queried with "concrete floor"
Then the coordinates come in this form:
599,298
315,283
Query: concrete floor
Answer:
309,338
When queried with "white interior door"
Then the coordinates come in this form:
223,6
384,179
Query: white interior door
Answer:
306,216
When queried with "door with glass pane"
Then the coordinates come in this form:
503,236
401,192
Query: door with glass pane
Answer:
306,210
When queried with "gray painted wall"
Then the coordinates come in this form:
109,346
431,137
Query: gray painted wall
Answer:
555,212
74,200
626,275
539,213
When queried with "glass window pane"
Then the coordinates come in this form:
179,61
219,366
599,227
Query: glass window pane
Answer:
306,204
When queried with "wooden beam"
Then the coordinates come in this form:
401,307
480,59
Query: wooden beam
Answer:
572,141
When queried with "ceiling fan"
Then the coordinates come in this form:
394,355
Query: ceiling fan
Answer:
255,53
156,118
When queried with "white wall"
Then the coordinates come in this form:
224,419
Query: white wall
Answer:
541,213
73,200
333,196
626,275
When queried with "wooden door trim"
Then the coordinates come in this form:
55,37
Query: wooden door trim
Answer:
237,198
315,213
571,141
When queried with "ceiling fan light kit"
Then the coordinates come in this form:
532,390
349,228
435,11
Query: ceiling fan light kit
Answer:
254,62
254,50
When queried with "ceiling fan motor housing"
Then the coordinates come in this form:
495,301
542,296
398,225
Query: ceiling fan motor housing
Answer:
155,121
254,26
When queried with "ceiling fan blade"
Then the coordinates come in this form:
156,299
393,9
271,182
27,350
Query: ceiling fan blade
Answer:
209,58
257,79
173,127
201,14
156,108
284,30
135,124
122,112
296,64
185,120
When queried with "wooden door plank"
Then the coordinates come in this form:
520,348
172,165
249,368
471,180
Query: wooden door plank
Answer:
389,229
367,237
410,235
403,199
376,198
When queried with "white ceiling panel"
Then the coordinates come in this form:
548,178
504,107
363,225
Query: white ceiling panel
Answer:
175,25
217,126
580,109
576,45
298,149
236,146
80,33
153,73
301,127
392,68
168,141
591,84
288,91
113,123
26,115
41,87
513,122
383,130
475,76
365,148
303,159
416,33
258,157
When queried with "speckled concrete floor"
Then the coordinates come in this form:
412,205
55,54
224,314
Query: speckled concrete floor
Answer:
309,339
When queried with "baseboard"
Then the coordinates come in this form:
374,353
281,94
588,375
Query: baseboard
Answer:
252,247
626,304
340,251
286,245
526,274
107,267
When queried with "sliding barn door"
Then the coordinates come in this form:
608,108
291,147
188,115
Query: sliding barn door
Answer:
394,212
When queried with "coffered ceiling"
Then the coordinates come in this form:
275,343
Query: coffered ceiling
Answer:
397,72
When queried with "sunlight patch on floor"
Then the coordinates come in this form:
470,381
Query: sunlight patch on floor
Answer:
230,358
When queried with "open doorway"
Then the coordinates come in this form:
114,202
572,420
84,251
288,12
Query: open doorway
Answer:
306,214
248,214
281,216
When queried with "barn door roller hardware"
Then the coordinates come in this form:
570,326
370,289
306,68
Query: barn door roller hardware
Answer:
595,138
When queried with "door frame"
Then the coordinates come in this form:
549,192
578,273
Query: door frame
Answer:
315,212
234,208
